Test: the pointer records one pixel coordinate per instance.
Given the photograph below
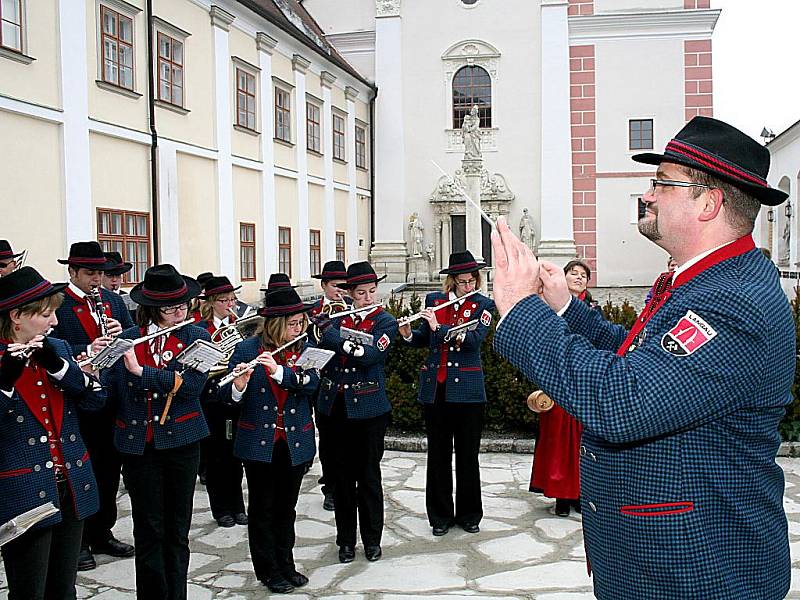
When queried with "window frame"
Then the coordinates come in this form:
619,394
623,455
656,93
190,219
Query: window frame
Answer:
312,125
339,137
20,26
125,238
244,92
104,7
287,247
341,250
244,245
457,112
361,147
641,138
182,65
280,91
315,250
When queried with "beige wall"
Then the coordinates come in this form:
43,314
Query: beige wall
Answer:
197,202
316,209
340,200
286,214
246,144
363,225
316,164
284,155
120,172
247,199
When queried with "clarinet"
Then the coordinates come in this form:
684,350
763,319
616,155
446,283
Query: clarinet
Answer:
97,301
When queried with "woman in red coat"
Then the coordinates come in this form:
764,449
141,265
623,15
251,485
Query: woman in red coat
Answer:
556,464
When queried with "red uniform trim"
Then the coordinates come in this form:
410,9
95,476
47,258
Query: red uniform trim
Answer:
186,417
247,426
14,473
308,426
657,510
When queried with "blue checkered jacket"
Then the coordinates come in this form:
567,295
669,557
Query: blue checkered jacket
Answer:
681,494
255,433
185,422
361,380
69,328
26,466
464,381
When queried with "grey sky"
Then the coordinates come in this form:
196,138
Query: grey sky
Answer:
756,47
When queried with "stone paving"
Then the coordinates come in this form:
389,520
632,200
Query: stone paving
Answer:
522,550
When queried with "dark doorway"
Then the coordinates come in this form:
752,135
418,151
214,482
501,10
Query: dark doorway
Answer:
486,242
458,236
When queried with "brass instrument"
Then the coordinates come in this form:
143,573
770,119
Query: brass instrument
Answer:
411,318
21,260
327,310
247,366
227,337
539,402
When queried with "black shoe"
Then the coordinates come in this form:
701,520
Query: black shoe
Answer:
328,504
113,547
471,527
202,477
279,585
240,518
226,521
373,553
86,561
347,554
440,530
296,579
562,507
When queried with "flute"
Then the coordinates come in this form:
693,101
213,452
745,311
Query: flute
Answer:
28,349
247,366
133,343
344,313
414,317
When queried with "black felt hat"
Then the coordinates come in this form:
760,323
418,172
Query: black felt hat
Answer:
6,253
24,286
333,269
283,302
462,262
359,273
87,255
164,286
120,267
721,150
217,285
203,277
278,281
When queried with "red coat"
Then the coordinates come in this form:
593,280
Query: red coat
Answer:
556,464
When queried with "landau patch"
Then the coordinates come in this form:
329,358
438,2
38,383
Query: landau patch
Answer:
689,335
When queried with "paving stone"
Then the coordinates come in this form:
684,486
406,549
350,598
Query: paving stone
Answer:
410,500
196,592
419,573
503,475
306,528
198,560
117,574
415,526
506,508
558,528
400,463
522,547
493,525
227,582
559,575
224,537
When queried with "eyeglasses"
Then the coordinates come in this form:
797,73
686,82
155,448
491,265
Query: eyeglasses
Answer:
672,183
465,282
171,310
226,300
296,323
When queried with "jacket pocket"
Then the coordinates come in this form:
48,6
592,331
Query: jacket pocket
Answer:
247,426
657,510
187,416
120,423
470,369
366,387
308,426
14,473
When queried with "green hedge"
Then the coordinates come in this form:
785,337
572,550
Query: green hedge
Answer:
790,426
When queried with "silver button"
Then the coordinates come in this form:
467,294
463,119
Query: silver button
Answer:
49,464
297,444
455,364
455,380
37,468
44,408
266,425
79,462
155,395
87,487
292,411
169,432
266,407
276,407
582,450
31,441
592,456
20,419
43,439
274,425
263,442
291,428
355,400
39,383
133,422
43,396
72,438
346,386
130,384
262,391
68,465
130,436
47,422
592,506
451,348
449,364
42,494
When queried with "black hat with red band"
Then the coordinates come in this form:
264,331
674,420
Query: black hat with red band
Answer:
164,286
283,302
360,273
217,285
462,262
120,267
6,253
278,281
723,151
24,286
333,269
87,255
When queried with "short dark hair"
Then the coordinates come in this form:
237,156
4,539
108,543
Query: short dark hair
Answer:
741,208
147,314
578,263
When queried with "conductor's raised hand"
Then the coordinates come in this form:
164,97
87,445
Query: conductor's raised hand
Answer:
554,285
516,273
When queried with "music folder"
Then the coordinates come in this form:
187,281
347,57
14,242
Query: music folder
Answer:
357,337
21,523
314,358
201,355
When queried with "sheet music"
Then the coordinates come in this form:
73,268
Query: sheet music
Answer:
201,355
358,337
130,304
21,523
111,353
314,358
463,328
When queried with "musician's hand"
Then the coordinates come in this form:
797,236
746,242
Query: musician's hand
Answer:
100,343
114,327
554,286
268,361
10,369
87,368
516,273
47,357
430,316
405,330
132,363
240,383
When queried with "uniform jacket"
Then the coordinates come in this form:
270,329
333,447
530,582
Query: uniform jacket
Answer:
681,494
26,466
74,319
458,363
361,380
258,420
141,400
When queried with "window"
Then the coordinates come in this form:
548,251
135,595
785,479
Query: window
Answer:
340,246
472,86
117,48
338,138
129,234
640,134
247,251
170,69
283,115
316,251
313,130
361,147
11,24
285,250
245,99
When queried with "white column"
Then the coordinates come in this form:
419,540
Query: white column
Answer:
351,94
556,173
299,65
329,242
221,22
78,213
168,211
269,225
389,249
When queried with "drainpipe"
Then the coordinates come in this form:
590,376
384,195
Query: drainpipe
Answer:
372,170
153,134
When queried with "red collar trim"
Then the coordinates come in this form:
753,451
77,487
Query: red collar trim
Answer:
742,245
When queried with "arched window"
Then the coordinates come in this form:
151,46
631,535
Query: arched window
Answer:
472,86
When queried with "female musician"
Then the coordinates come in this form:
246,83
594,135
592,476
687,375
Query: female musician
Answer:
42,455
275,435
556,464
159,425
224,472
353,395
452,393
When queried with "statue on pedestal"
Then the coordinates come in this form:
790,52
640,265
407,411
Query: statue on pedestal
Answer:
527,232
417,235
431,253
470,130
784,244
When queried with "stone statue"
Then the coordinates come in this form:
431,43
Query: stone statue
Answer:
431,253
526,231
470,130
784,247
417,235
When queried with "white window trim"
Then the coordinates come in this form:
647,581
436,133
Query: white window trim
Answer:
127,10
338,112
20,55
289,89
162,26
241,64
311,99
365,127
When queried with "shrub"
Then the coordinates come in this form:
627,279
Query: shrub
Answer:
790,426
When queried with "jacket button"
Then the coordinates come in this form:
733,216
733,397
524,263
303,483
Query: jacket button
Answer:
346,386
130,436
263,390
292,411
49,464
42,494
43,439
20,419
68,465
451,348
72,437
31,441
592,506
133,422
455,364
79,462
130,384
266,407
39,383
37,468
274,425
87,487
263,442
592,456
43,396
355,400
169,432
449,364
155,395
455,380
291,428
297,444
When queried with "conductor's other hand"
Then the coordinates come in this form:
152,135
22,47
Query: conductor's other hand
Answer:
516,268
554,285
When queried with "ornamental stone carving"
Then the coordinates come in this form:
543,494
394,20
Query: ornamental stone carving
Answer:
387,8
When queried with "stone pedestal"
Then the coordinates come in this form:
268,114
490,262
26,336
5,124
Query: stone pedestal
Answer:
472,168
559,252
389,258
418,269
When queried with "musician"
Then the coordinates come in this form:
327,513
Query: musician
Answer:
278,281
334,299
275,435
158,428
224,471
8,259
196,304
42,455
451,390
88,326
112,276
353,395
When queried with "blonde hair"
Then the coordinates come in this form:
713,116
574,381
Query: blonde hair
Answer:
207,307
273,331
36,307
449,284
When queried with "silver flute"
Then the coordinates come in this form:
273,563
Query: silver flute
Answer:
247,366
416,316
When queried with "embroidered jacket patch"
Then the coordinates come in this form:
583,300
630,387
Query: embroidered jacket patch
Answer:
689,335
383,342
486,318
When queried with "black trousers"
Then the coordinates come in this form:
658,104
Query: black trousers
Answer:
161,486
224,472
358,450
41,564
97,431
272,491
326,456
450,425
